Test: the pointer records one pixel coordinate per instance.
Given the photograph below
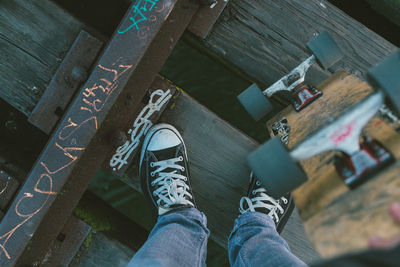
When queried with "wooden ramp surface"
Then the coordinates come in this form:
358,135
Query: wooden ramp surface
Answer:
217,156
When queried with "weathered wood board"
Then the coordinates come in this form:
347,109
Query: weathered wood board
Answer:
267,39
217,157
103,105
34,37
388,8
68,242
336,219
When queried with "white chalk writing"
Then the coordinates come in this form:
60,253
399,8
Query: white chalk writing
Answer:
139,129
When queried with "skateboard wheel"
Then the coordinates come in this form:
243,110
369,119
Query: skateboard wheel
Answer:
275,169
386,76
325,49
255,103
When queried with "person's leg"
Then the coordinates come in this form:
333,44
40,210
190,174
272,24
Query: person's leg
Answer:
255,240
180,236
178,239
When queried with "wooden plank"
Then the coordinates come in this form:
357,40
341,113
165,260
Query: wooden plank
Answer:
206,17
68,242
388,8
9,186
72,72
336,219
217,154
115,237
266,39
103,251
34,36
125,70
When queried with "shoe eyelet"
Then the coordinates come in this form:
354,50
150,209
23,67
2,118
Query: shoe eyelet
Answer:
183,169
152,164
152,183
152,174
180,158
258,183
254,192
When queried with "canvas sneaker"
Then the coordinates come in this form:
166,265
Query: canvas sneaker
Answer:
257,199
163,170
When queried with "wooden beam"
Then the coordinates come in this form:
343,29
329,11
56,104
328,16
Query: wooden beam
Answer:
268,38
34,36
388,8
127,67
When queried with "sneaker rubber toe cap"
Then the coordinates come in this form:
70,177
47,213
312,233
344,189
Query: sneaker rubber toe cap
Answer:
162,139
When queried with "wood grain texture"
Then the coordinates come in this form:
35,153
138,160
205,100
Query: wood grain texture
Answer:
219,174
336,219
347,223
34,37
266,39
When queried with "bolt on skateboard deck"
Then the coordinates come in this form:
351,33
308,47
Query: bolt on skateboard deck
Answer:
339,216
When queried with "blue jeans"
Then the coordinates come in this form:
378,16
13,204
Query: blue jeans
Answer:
180,239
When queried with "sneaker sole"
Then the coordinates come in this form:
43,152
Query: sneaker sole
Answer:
286,215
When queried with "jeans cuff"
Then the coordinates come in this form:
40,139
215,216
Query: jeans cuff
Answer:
254,217
189,212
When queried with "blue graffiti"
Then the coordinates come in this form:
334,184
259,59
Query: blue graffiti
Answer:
138,11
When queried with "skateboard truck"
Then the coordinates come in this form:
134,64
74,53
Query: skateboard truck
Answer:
324,51
357,161
359,167
302,94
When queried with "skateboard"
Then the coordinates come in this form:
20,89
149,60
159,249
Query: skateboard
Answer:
340,159
325,52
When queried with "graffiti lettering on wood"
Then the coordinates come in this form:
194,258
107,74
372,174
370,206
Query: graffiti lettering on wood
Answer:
63,151
142,14
140,127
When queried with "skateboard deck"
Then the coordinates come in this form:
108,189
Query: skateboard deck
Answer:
336,219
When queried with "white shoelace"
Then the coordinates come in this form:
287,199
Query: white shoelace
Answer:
172,188
261,200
